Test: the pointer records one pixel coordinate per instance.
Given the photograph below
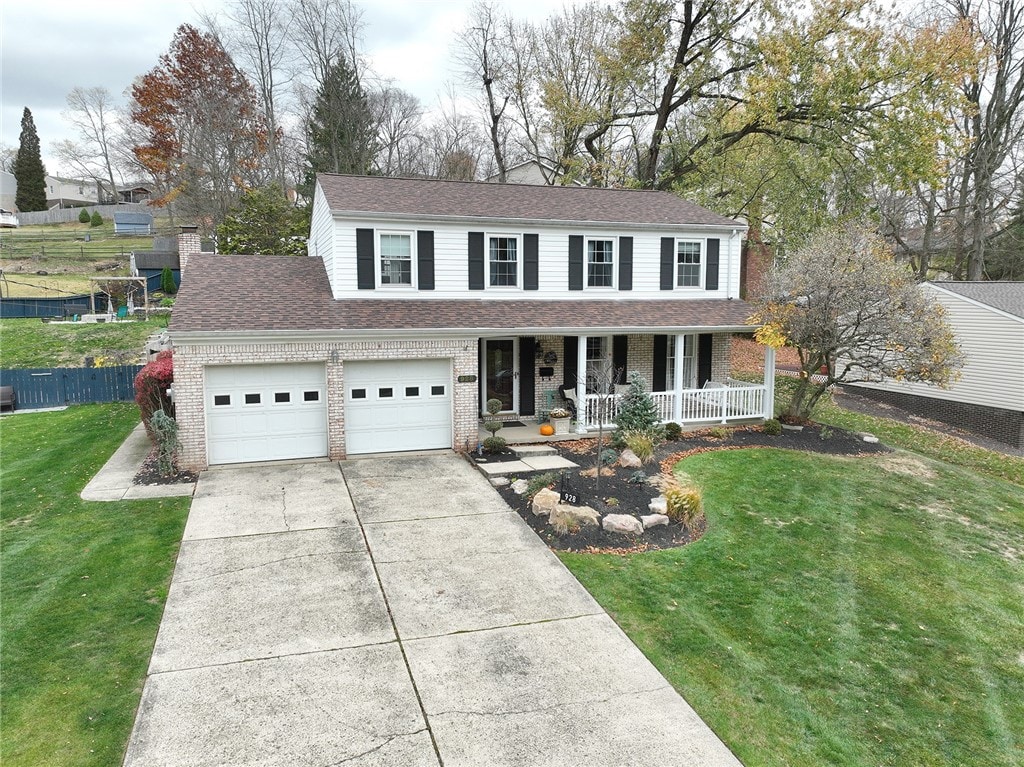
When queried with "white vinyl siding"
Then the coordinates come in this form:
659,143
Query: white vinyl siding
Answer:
451,267
993,347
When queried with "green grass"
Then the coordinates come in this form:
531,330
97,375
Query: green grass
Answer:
68,242
83,589
839,611
33,344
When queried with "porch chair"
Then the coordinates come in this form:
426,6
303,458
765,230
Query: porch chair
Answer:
122,312
569,397
7,397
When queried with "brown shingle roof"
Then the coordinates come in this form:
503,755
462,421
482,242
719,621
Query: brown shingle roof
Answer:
478,199
237,293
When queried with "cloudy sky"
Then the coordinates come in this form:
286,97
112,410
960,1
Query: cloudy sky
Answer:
49,47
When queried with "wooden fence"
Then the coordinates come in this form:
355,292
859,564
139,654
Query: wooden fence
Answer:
67,215
51,387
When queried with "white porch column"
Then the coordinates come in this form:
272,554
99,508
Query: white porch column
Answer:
581,384
769,383
677,377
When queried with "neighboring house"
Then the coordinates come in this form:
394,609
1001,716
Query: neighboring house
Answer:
133,223
8,219
988,399
532,172
70,192
134,193
8,191
423,299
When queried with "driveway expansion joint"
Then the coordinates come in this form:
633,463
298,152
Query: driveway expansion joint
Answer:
553,706
222,573
504,626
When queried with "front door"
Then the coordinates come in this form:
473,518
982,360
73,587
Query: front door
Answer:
501,374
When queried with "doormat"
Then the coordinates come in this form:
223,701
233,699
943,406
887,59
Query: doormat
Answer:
512,423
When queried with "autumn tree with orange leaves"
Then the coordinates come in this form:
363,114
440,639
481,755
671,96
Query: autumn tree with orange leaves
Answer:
199,130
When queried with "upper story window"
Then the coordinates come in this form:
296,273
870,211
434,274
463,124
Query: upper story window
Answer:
688,258
600,261
503,261
395,258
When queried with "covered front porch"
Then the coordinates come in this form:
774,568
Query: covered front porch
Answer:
687,374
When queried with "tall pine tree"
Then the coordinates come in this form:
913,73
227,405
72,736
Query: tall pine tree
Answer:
339,130
29,173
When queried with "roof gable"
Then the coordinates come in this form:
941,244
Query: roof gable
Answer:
1007,297
381,195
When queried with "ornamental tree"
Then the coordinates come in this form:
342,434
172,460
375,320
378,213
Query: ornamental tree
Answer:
853,314
264,223
151,386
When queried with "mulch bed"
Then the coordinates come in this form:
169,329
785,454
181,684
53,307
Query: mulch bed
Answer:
149,474
633,498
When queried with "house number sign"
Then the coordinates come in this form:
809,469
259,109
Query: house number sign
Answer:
467,379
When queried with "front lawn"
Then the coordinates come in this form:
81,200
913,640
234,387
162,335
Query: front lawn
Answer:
83,589
846,611
30,343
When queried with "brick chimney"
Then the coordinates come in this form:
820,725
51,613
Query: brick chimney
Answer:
188,244
755,261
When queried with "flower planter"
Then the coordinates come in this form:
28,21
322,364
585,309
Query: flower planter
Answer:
561,425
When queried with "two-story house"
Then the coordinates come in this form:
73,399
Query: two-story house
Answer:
423,299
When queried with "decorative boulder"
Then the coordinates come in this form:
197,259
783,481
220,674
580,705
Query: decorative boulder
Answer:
500,481
622,523
654,520
520,486
659,505
871,439
544,501
628,460
574,516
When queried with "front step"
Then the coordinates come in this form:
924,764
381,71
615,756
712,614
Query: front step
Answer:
532,451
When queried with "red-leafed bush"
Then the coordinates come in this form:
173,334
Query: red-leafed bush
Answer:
151,386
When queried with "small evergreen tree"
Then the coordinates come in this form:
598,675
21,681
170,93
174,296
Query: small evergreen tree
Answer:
265,224
84,217
96,220
167,284
637,411
29,173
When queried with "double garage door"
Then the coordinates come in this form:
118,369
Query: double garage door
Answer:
278,412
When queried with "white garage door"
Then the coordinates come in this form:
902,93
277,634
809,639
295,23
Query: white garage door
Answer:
266,412
398,405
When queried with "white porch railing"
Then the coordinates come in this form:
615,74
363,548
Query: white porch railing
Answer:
720,404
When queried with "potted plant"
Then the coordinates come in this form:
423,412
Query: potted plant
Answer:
559,418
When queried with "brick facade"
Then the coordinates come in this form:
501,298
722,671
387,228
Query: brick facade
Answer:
1006,426
190,361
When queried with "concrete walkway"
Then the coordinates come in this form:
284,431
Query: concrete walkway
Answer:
392,611
114,481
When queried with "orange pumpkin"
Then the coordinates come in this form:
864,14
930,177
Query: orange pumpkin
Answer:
547,430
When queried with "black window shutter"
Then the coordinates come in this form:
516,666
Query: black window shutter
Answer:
365,279
575,262
620,348
711,276
425,260
660,375
476,260
531,262
668,263
570,352
625,263
704,344
527,347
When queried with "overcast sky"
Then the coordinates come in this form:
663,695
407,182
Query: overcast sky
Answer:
50,46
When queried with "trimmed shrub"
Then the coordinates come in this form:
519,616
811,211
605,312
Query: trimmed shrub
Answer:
96,219
167,284
84,217
151,389
673,431
609,456
494,444
772,427
165,433
637,478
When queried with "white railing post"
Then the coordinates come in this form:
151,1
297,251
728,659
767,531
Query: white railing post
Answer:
769,383
725,403
677,377
583,418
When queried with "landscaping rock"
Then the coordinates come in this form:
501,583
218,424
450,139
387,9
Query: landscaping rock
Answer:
871,439
628,460
574,516
500,481
520,486
654,520
658,505
544,501
622,523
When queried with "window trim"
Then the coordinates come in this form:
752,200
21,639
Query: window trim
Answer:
613,265
488,236
379,256
701,264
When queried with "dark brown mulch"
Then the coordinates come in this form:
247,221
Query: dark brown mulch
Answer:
633,498
149,474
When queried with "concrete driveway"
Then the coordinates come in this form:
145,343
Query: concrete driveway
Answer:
394,612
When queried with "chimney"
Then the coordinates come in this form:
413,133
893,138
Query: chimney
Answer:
188,245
